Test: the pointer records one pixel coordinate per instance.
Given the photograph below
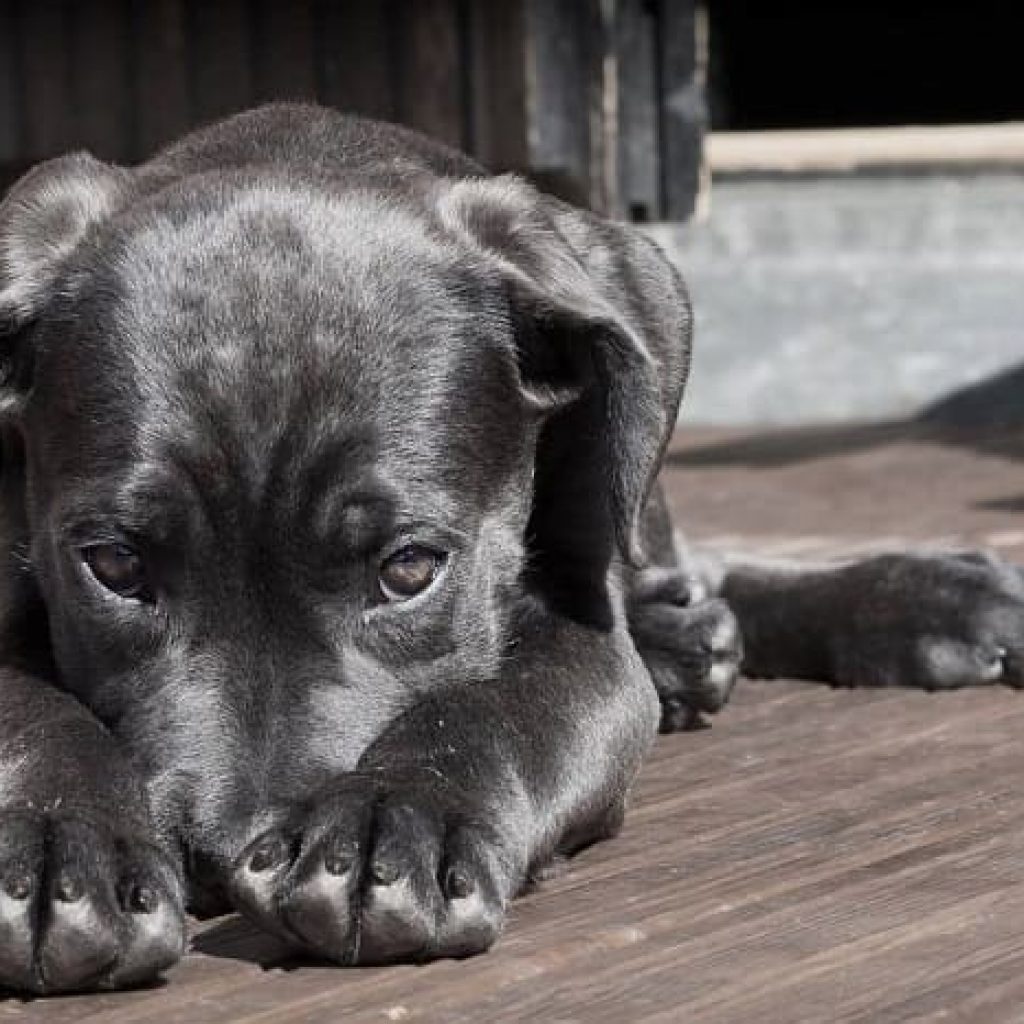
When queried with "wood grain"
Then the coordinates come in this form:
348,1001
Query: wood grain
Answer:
428,68
101,65
284,53
222,66
354,60
46,82
817,855
10,86
162,75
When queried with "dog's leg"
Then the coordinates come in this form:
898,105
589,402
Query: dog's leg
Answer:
87,899
935,621
416,853
688,637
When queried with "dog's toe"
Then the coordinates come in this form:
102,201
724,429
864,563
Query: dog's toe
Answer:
259,876
81,907
938,622
318,910
402,900
946,663
692,651
78,944
374,876
473,910
19,898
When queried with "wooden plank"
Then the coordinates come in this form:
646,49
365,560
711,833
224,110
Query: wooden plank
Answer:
220,43
818,854
429,68
638,186
47,91
161,81
683,104
285,61
11,119
101,77
497,92
354,57
560,40
795,855
600,94
831,150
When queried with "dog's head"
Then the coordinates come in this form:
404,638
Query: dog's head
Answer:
297,450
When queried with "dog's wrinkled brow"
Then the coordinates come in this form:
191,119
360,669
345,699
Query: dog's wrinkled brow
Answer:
354,520
156,506
353,514
369,516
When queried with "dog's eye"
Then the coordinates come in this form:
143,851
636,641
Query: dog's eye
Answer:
117,567
408,572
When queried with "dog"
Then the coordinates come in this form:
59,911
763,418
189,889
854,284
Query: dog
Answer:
338,589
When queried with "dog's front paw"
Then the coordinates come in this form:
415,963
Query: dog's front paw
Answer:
383,868
934,621
690,645
83,906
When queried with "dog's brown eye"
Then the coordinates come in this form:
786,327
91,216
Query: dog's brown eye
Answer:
117,567
408,572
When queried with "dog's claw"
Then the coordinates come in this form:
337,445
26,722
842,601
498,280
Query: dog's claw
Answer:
693,651
111,916
936,621
379,877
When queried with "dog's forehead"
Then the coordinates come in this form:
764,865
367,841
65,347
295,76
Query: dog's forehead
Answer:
276,275
282,316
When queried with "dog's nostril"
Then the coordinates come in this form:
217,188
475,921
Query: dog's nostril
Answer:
143,900
267,855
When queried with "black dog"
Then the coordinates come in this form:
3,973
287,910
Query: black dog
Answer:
327,476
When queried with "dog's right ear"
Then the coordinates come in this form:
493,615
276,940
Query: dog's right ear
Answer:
43,220
601,325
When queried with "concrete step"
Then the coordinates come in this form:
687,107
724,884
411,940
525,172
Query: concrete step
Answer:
838,298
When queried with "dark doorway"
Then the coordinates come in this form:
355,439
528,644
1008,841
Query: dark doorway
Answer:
851,63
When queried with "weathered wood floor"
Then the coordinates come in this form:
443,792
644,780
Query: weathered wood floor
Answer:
817,855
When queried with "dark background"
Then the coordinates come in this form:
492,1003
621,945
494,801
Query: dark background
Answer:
839,63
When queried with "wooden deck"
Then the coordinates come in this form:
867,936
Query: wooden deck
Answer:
817,855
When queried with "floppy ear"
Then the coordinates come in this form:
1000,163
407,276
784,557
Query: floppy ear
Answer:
43,220
603,327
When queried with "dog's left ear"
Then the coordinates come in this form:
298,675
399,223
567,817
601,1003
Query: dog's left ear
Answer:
44,218
603,327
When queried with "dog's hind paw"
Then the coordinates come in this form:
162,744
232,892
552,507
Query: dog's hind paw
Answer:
82,907
937,622
386,867
691,647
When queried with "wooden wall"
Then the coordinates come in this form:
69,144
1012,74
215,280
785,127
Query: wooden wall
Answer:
590,95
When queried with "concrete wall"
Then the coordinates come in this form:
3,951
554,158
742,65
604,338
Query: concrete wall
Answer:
842,298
